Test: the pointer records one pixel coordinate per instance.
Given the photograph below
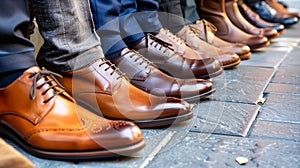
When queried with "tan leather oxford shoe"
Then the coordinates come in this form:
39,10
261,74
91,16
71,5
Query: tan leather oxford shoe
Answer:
103,88
44,120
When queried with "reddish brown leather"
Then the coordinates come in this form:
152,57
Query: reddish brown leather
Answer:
144,75
235,16
162,54
206,31
214,12
60,124
282,10
227,58
103,89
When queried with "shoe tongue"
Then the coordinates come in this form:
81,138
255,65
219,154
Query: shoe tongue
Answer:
166,36
131,65
209,34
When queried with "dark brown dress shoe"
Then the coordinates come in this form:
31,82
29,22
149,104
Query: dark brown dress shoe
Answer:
235,16
257,21
206,31
214,12
45,121
227,58
163,56
102,88
144,75
281,9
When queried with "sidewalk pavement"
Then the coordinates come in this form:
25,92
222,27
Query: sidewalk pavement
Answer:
230,123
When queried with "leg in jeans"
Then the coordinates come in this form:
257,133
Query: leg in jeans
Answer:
189,11
70,38
106,18
171,15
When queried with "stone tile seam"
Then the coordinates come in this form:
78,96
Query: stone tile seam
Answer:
155,151
281,93
279,121
273,138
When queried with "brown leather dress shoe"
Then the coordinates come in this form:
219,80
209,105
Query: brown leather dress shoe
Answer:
44,120
144,75
235,16
227,58
102,88
206,31
281,9
163,56
257,21
214,11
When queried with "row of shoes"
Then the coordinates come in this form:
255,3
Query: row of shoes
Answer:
97,111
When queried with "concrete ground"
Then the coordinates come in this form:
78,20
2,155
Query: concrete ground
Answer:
230,123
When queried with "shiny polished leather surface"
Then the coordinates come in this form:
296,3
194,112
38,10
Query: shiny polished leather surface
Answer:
163,56
235,16
256,20
206,31
56,127
144,75
227,58
102,88
269,14
281,9
214,12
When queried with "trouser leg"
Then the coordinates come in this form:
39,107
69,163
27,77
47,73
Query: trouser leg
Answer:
16,51
70,40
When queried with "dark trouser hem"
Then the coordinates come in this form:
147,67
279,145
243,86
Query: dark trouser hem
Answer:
17,62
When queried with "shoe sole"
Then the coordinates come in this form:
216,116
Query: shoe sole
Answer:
162,122
257,46
245,56
230,66
199,97
211,75
71,155
273,36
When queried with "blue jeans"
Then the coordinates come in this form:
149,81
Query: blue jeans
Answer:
70,39
122,23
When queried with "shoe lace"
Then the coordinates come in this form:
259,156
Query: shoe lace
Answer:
49,77
207,27
113,67
162,44
142,59
174,37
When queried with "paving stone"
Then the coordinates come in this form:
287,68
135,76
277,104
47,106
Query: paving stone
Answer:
269,129
281,107
221,151
244,84
293,57
292,31
287,74
269,58
283,88
225,118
